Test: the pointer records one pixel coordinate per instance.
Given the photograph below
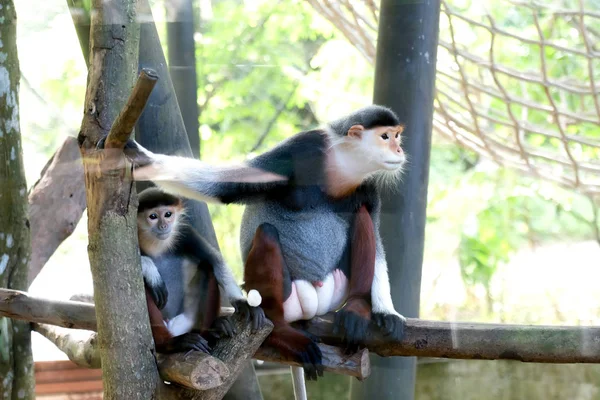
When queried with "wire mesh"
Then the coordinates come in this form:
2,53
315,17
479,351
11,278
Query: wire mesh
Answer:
517,82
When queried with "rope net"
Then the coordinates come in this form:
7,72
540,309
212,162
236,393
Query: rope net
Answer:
517,82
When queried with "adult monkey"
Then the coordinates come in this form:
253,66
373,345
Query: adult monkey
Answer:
310,231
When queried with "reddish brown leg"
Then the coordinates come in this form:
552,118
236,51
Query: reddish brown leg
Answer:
352,321
264,273
164,341
160,333
212,325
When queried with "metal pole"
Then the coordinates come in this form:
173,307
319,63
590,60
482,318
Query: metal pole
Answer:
405,81
182,65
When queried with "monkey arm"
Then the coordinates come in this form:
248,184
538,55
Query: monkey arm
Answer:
194,245
197,247
154,282
384,313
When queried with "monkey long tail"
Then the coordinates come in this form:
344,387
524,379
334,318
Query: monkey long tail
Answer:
298,383
197,180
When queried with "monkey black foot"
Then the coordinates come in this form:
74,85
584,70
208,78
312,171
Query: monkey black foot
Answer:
295,345
352,324
391,325
256,315
159,293
187,342
222,327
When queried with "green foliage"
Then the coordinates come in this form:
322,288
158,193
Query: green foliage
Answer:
493,212
253,60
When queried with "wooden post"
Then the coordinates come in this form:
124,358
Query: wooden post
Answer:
124,337
405,81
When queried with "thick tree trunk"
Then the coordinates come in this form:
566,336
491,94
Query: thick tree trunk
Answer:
128,365
16,362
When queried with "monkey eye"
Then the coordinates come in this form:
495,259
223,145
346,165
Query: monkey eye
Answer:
168,214
385,136
153,216
397,135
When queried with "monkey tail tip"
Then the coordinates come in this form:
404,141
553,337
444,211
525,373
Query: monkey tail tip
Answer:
254,298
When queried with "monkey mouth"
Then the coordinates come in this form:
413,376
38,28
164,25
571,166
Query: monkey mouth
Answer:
163,236
394,164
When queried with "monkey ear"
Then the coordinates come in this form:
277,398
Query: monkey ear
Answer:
356,131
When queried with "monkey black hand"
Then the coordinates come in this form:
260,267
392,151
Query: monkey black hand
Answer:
254,314
390,324
222,327
189,342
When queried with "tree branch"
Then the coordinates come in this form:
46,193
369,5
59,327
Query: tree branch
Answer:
274,119
357,365
423,338
479,341
79,345
124,333
125,122
68,314
234,352
196,370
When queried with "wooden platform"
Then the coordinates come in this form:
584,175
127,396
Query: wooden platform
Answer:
61,380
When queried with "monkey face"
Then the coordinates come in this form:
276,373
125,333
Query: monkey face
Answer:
381,146
161,220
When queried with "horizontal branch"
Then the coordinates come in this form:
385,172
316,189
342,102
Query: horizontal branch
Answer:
196,370
125,122
357,365
68,314
479,341
78,345
234,352
459,340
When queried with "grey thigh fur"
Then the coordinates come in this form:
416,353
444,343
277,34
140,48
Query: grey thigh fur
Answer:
312,240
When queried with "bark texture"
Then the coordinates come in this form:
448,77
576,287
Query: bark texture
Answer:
124,338
78,345
422,338
235,352
69,314
56,204
16,362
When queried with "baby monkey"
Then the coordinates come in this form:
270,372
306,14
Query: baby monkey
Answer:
181,273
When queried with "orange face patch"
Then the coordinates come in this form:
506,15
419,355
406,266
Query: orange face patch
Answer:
389,137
